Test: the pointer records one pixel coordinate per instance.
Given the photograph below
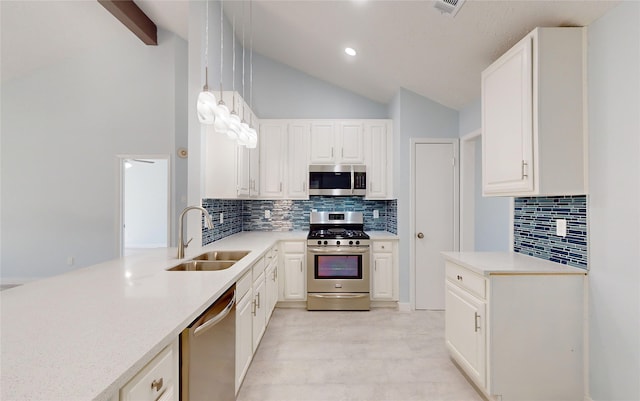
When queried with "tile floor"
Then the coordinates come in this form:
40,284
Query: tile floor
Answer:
378,355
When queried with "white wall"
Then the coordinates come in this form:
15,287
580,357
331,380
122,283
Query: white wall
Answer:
62,127
284,92
492,228
614,204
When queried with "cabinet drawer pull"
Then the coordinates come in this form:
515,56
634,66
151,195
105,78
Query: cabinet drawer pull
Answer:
524,170
475,322
157,384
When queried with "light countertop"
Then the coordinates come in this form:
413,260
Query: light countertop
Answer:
488,263
84,334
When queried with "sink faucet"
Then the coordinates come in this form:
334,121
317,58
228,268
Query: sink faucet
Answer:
181,243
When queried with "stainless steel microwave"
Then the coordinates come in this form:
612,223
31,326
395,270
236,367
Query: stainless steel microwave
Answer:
338,179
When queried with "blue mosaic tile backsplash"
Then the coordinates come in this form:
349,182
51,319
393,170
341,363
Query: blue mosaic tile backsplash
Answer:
292,215
232,219
535,229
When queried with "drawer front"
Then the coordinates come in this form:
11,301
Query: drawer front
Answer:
466,279
157,380
294,247
258,268
272,256
243,285
382,246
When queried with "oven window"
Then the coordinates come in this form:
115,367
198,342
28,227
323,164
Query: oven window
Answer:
338,266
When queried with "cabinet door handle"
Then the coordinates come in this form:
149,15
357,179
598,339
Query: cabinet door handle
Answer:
524,170
280,187
157,384
332,153
258,295
459,277
253,307
475,322
342,153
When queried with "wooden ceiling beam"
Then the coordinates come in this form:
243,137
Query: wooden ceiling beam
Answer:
127,12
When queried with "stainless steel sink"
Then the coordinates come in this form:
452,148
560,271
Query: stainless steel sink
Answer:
222,255
203,265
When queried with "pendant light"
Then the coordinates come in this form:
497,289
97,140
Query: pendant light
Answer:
221,125
253,134
234,119
206,103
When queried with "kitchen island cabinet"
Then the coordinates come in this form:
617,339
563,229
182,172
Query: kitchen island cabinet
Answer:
533,136
514,325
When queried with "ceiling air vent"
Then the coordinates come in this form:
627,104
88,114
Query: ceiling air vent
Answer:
449,7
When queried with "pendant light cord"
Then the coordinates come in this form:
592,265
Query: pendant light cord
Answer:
251,54
206,50
221,43
243,24
233,75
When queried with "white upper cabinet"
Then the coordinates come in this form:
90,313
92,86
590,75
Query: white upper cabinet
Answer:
378,158
337,142
228,166
272,143
298,160
532,117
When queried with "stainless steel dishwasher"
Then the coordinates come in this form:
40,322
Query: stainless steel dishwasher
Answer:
208,353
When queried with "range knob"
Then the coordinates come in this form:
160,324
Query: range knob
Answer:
350,242
337,242
357,242
319,242
325,242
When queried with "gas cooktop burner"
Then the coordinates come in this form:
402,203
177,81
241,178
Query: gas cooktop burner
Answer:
337,233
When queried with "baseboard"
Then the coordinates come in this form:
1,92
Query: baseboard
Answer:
15,281
384,304
292,304
404,307
587,398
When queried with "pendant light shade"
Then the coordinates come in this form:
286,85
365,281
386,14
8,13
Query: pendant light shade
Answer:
206,103
234,126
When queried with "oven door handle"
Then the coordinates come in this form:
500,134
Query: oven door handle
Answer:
339,250
339,295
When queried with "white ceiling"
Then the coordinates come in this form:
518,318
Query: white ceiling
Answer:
400,43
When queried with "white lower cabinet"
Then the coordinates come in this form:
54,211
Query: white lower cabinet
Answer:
384,271
518,335
293,279
244,332
259,309
158,381
271,278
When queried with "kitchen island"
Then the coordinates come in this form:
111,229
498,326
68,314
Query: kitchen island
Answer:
84,334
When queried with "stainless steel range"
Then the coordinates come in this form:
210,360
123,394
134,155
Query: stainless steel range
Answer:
337,262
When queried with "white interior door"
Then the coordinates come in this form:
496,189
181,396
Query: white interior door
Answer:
435,215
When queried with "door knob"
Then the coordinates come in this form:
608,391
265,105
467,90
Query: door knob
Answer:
420,235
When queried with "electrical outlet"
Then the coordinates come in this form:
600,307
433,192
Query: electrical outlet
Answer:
70,260
267,214
376,214
221,217
561,227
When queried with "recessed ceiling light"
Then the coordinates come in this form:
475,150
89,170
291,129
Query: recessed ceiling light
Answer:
350,51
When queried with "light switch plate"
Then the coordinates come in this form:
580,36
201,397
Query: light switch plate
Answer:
376,214
267,214
221,218
561,227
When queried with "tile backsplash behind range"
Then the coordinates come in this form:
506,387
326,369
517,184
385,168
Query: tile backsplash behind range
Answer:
290,215
535,229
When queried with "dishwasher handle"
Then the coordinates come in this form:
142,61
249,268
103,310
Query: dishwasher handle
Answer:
210,321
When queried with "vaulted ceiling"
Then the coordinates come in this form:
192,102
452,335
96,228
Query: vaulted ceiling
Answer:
407,44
